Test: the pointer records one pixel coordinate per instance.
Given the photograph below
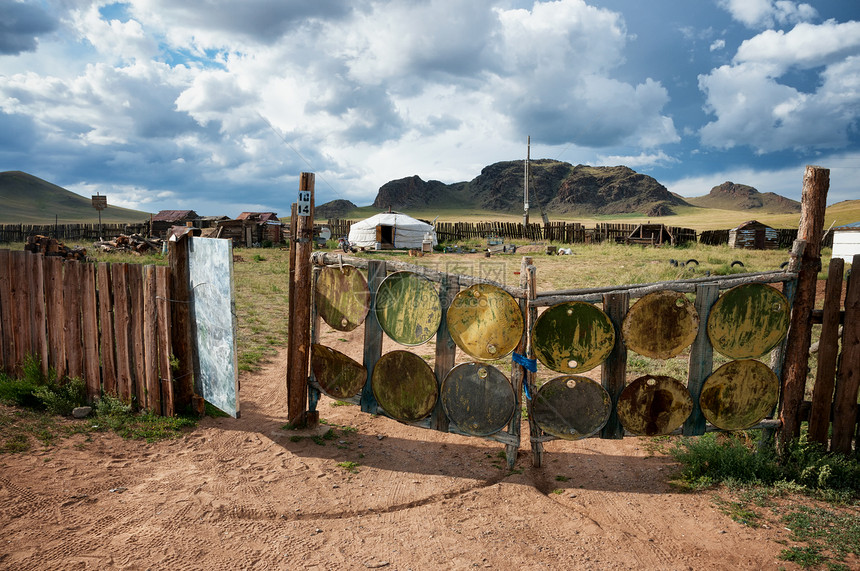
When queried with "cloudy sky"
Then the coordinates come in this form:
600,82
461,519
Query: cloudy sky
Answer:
219,105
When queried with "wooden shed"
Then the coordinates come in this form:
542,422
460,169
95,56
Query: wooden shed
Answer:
754,235
167,219
650,234
846,241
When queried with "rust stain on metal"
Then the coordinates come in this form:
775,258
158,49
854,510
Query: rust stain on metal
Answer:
338,375
571,407
739,394
748,321
408,308
660,325
485,322
654,404
342,297
404,386
478,398
573,337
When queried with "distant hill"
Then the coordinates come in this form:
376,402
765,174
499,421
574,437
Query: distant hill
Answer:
28,199
731,196
334,209
560,187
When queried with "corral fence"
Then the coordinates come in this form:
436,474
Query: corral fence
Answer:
70,232
561,232
785,238
126,330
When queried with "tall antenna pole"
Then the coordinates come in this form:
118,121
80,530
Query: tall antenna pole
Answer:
526,185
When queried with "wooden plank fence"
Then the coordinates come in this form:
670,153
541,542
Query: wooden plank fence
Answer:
13,233
108,324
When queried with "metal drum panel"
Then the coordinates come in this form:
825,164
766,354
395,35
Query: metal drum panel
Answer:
739,394
485,321
478,398
342,297
404,386
653,405
338,375
408,308
748,320
660,325
571,407
573,337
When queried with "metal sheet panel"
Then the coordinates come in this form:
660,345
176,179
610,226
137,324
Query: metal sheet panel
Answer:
660,325
485,321
210,268
654,404
571,407
404,386
342,297
408,308
748,320
478,398
573,337
739,394
338,375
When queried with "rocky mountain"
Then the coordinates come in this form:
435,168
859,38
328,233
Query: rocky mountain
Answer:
732,196
334,209
558,186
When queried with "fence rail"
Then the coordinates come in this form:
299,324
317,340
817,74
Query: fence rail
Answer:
104,323
65,232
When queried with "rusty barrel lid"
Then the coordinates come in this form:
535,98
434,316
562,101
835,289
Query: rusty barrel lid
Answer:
740,394
408,308
342,297
338,375
653,405
485,321
571,407
660,325
573,337
478,398
404,386
748,321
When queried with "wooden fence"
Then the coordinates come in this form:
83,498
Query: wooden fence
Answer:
108,324
66,232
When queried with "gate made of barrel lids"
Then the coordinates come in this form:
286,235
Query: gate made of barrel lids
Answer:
475,323
743,316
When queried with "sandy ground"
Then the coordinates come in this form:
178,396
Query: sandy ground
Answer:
245,493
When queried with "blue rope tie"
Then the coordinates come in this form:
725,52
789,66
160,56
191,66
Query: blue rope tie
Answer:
529,364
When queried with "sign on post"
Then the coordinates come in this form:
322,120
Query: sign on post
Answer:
99,202
303,207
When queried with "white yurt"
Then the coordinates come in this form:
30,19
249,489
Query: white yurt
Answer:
391,230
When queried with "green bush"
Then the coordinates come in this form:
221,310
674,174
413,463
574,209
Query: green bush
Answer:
22,391
61,399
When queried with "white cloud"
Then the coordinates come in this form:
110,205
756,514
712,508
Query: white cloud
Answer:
638,161
123,41
755,106
718,45
123,196
768,13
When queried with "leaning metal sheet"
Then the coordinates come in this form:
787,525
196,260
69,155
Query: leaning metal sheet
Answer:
342,297
408,308
653,405
485,321
660,325
571,407
338,375
210,269
478,398
573,337
404,386
748,320
739,394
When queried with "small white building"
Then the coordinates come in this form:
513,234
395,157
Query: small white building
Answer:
846,241
391,230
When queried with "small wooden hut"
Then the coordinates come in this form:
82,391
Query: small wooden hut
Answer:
167,219
754,235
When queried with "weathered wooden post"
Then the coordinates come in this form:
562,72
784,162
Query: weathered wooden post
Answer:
300,304
816,182
183,346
